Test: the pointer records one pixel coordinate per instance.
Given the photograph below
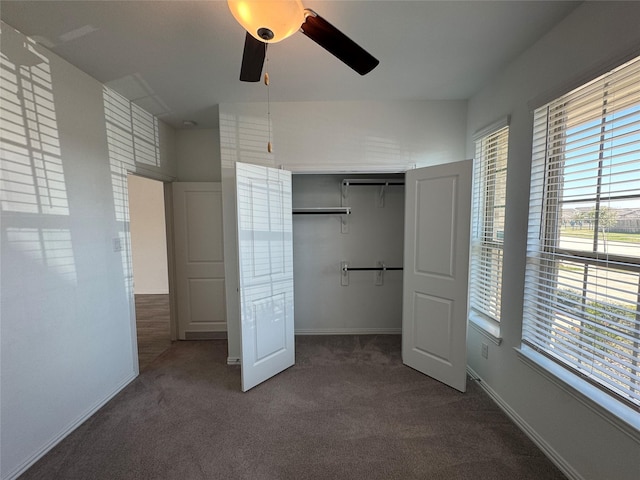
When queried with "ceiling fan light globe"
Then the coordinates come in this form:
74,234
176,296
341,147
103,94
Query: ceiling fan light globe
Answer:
282,17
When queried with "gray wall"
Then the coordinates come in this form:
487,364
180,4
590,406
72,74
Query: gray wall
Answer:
580,438
68,341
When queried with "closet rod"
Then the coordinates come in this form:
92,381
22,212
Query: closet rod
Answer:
353,269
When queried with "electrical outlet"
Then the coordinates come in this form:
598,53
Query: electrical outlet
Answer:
485,350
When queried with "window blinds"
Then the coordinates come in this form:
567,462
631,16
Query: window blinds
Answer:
489,195
582,285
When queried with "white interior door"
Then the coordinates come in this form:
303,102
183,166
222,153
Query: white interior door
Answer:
265,257
200,294
436,270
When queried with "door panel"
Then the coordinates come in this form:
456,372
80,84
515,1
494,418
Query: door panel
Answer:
200,288
437,229
265,256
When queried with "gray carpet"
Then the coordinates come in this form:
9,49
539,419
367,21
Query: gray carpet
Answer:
349,409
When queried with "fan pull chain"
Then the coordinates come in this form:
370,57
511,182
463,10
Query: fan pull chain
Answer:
266,82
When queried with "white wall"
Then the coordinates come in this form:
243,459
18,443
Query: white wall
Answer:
198,155
148,236
67,338
330,137
588,445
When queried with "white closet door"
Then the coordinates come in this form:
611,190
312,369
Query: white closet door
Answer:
265,255
436,270
200,287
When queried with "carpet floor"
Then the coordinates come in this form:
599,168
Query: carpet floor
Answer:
348,409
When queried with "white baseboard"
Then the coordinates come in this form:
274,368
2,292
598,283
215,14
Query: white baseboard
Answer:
349,331
233,361
540,442
70,428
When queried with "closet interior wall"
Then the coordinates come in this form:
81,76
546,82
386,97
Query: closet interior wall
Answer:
372,233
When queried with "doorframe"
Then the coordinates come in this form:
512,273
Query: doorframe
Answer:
167,182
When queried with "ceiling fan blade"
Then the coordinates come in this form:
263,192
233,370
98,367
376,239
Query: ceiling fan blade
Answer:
337,43
252,59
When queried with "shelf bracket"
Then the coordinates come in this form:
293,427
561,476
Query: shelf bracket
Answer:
344,274
345,190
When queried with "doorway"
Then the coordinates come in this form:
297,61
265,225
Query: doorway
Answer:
340,256
150,267
436,247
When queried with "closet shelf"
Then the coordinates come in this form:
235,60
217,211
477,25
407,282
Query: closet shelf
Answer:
322,211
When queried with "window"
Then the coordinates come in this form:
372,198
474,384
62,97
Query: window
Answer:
582,286
487,234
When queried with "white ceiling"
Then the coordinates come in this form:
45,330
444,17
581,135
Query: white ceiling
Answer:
180,59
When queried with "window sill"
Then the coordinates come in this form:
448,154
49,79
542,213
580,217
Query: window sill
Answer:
485,326
619,415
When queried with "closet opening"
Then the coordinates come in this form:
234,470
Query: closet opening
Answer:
348,238
147,223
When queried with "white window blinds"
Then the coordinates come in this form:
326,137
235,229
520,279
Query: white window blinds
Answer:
582,286
489,195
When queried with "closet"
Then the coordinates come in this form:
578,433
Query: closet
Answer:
337,269
348,233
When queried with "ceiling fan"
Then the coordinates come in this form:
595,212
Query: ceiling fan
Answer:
272,21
